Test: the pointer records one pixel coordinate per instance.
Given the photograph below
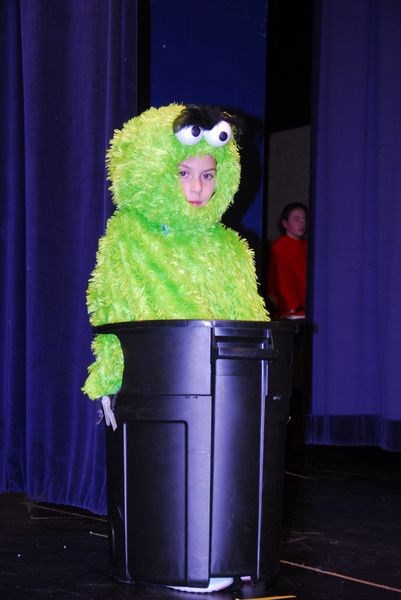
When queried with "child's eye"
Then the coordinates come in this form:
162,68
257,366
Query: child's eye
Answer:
208,176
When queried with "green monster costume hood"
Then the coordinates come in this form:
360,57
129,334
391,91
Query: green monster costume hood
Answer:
143,160
161,257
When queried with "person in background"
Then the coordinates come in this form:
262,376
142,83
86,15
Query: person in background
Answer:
286,284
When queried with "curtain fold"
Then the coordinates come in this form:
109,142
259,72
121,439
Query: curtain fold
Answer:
70,80
356,285
12,265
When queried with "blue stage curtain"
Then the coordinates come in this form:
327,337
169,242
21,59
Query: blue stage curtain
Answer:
68,79
356,221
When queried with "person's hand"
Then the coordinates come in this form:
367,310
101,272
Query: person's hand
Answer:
296,313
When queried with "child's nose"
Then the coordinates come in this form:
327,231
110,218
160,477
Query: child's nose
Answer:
196,184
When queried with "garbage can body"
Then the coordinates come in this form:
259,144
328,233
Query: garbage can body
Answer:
195,466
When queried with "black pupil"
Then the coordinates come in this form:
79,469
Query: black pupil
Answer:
195,130
223,136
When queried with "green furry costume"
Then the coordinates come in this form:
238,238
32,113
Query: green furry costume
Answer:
160,257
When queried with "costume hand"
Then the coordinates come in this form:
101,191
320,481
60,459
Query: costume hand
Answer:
108,413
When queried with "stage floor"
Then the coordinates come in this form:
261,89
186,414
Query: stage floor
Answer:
341,538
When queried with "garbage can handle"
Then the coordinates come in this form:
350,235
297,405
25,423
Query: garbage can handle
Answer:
244,348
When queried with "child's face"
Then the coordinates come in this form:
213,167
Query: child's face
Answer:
197,175
295,225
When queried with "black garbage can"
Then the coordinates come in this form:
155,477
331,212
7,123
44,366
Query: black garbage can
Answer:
195,466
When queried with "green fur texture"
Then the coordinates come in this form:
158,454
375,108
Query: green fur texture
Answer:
160,257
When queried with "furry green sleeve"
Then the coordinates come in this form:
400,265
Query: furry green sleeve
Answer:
105,373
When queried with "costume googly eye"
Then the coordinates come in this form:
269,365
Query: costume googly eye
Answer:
219,135
190,135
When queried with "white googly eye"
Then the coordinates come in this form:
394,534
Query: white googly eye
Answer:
190,135
219,135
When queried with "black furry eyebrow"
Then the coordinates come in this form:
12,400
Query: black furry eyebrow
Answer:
206,117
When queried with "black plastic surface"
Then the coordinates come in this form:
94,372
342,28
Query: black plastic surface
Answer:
195,467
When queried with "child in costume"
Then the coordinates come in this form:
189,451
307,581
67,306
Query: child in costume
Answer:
174,171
